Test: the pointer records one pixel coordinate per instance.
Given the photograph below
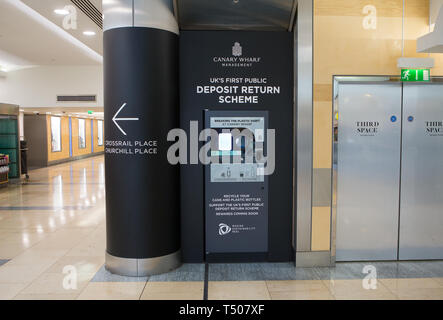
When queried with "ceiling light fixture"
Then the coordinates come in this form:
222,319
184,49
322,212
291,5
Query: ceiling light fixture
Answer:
89,33
56,29
61,12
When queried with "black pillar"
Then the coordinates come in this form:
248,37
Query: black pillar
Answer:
141,107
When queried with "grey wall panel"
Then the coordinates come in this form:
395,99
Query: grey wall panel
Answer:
36,136
321,191
421,220
304,124
368,171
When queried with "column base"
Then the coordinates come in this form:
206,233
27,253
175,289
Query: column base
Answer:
143,267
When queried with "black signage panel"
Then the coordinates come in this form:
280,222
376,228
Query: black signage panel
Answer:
245,76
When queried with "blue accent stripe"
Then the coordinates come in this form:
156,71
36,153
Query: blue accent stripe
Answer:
92,136
70,137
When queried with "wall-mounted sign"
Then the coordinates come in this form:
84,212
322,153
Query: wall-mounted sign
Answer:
368,128
434,128
414,75
241,80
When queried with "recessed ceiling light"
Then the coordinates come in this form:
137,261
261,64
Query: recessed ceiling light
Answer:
61,12
89,33
59,31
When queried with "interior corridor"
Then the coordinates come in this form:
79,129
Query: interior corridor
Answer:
52,232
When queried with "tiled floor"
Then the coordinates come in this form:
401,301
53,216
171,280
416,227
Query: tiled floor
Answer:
55,225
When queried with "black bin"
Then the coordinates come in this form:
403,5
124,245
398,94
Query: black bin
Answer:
24,157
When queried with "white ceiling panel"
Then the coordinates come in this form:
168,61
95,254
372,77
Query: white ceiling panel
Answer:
31,32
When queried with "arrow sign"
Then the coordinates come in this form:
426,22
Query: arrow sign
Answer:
115,119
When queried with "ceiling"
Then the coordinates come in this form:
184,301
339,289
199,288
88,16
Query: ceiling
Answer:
32,34
275,15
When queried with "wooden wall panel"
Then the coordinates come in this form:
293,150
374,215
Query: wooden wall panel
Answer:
321,219
342,46
353,8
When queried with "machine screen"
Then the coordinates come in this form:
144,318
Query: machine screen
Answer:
240,143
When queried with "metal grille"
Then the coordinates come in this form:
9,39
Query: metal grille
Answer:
90,10
79,98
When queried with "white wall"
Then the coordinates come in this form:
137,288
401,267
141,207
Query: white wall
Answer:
38,87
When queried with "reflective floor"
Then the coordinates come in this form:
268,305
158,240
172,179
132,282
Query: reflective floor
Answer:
52,244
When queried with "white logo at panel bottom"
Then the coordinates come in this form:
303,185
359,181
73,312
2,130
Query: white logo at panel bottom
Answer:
224,229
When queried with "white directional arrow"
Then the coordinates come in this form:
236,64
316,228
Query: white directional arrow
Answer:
115,119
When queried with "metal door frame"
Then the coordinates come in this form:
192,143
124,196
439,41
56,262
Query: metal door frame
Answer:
343,79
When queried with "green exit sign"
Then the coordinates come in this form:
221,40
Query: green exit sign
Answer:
90,112
416,75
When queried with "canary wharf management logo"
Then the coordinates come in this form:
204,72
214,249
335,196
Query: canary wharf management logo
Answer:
237,50
237,60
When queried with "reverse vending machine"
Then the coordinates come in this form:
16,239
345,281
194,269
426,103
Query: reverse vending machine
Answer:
236,187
